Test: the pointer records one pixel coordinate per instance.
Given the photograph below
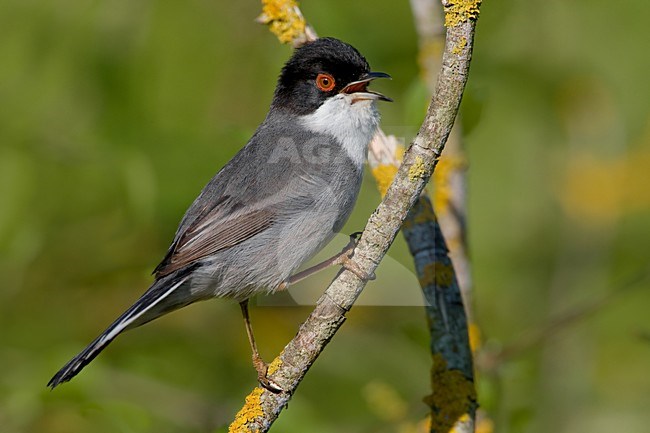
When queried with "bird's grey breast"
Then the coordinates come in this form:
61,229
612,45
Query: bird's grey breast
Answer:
313,183
308,172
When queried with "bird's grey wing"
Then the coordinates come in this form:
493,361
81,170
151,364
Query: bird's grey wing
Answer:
253,191
216,228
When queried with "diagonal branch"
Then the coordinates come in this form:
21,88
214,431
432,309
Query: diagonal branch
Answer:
263,407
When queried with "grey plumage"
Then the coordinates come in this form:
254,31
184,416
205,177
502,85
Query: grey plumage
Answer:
270,209
264,189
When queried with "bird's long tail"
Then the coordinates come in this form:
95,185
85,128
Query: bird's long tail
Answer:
150,305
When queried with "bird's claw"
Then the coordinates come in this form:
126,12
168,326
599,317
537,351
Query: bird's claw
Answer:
262,377
345,259
353,267
269,384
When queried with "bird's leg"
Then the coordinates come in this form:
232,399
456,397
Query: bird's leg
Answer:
259,364
344,258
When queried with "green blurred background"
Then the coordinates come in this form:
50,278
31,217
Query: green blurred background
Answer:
113,115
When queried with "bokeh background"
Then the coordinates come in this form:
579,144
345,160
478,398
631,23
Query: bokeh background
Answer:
113,115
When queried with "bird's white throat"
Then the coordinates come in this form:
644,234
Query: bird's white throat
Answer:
352,123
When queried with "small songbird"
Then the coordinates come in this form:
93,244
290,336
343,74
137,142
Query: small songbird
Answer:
275,204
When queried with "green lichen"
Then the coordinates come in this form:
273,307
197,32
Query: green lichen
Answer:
438,274
452,395
422,213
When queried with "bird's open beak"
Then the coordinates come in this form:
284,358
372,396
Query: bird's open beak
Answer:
360,88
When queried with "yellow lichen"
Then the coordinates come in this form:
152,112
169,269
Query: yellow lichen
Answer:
274,365
422,213
474,337
425,425
438,274
252,409
441,181
283,18
461,424
452,395
418,169
399,153
454,243
459,11
484,425
460,46
384,175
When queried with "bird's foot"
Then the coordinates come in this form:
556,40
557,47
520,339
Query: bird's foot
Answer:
262,377
345,259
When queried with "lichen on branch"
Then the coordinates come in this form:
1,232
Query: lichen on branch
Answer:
284,19
250,412
460,11
452,397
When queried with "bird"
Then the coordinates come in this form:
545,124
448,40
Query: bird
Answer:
275,204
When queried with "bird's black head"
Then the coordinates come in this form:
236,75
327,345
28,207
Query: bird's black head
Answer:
319,70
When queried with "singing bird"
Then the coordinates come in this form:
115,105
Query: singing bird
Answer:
275,204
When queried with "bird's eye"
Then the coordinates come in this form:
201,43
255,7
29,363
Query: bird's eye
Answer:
325,82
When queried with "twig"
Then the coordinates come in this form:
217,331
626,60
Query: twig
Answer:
285,20
262,407
449,180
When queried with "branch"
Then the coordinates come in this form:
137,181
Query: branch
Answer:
285,20
444,274
449,180
453,397
262,407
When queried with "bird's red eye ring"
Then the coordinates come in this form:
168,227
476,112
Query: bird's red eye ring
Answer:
325,82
